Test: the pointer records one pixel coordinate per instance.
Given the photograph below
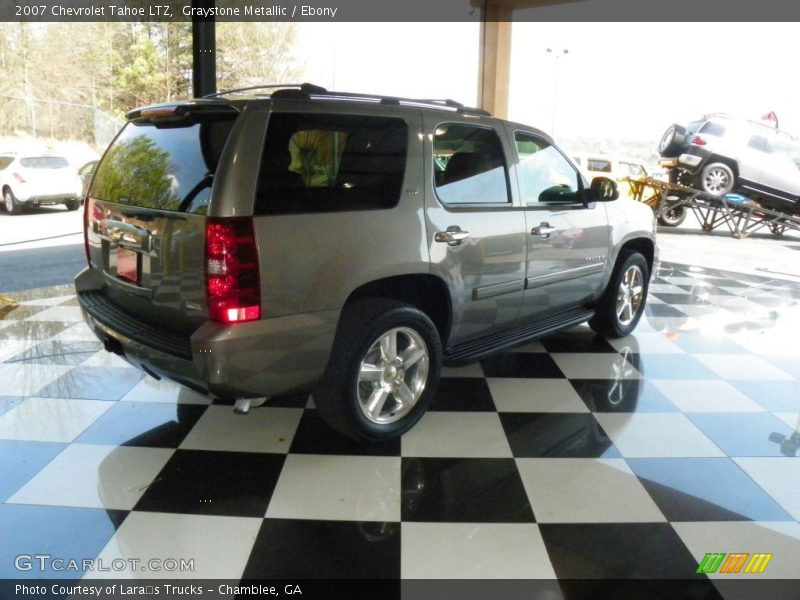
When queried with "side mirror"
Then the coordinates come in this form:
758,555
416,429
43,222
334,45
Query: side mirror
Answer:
603,189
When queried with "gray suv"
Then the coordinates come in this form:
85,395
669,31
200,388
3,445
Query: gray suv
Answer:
721,153
347,245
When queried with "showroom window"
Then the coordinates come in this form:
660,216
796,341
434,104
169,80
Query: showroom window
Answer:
329,163
469,166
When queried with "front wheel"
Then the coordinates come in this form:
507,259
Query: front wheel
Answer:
622,304
12,206
383,370
673,217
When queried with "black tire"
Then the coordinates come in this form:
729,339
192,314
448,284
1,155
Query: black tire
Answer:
607,319
672,140
73,204
342,397
673,217
717,178
10,202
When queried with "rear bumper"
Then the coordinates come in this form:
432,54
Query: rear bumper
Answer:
693,160
260,358
47,199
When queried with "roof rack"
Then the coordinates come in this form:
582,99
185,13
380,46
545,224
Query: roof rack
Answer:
309,91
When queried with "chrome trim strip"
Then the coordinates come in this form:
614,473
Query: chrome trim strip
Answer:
575,273
496,289
128,287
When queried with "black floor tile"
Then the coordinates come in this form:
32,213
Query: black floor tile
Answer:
288,548
671,298
289,401
671,366
236,484
775,396
466,490
152,424
314,436
556,435
577,341
463,394
521,364
612,550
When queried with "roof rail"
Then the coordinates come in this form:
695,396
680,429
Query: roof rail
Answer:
308,90
257,87
725,115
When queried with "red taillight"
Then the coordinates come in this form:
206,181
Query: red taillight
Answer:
699,141
86,225
19,178
232,283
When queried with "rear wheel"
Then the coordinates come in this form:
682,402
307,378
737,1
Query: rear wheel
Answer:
717,179
10,201
622,304
73,204
383,370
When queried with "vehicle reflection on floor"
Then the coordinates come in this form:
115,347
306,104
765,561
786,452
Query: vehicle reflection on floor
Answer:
678,440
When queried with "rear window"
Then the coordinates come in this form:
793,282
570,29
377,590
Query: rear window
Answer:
44,162
598,164
163,166
711,128
330,163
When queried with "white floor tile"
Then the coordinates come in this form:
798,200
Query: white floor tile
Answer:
62,314
792,419
705,396
164,390
94,476
352,488
781,539
534,395
581,365
218,546
741,366
27,379
78,332
457,434
50,419
264,429
779,477
654,435
473,551
585,490
54,301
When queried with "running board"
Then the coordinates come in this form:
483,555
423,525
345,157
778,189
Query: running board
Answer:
482,347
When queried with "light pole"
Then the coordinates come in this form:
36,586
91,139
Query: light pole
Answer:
557,54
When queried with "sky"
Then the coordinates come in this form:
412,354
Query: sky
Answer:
619,80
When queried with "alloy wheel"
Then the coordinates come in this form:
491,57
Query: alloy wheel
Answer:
630,295
392,375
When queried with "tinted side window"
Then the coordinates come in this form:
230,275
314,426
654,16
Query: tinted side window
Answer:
469,166
545,175
5,161
326,163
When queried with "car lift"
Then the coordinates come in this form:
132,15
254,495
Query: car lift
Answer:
741,215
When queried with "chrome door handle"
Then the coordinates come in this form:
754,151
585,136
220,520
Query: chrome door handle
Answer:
543,230
453,236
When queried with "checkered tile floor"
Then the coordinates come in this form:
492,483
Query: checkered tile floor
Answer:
570,457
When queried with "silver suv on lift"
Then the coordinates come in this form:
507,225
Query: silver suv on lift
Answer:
720,154
350,245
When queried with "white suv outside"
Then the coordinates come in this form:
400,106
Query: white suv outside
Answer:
38,180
